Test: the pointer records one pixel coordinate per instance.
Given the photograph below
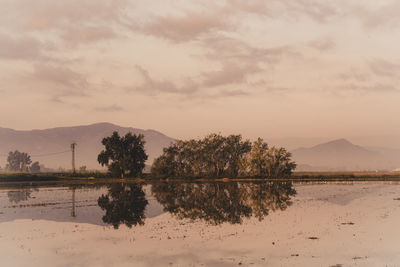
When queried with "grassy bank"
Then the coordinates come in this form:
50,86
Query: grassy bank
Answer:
36,177
298,176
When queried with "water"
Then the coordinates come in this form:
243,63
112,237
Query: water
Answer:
201,224
131,203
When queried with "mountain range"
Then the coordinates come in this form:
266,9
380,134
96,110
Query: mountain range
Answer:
51,147
342,155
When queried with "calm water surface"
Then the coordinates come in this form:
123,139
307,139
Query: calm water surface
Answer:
131,203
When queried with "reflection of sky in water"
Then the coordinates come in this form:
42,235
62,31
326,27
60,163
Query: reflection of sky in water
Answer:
55,204
131,203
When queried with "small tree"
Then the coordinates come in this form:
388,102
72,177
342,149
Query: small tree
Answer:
35,167
123,155
18,161
83,168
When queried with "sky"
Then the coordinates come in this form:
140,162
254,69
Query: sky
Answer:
269,68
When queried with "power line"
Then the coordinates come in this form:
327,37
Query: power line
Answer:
42,155
50,154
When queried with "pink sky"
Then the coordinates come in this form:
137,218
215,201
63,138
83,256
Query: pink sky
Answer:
186,68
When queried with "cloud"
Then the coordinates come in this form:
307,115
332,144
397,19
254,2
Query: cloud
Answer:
111,108
381,67
239,60
55,81
226,49
73,22
186,27
22,48
238,63
323,44
232,93
378,15
60,76
42,15
318,11
152,86
355,75
191,25
367,88
228,74
76,35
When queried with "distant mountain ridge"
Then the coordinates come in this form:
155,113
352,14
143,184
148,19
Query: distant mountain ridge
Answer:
87,137
342,155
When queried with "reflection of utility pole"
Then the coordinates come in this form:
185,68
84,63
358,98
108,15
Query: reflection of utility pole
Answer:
73,156
73,214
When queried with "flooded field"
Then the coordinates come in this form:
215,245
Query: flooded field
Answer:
201,224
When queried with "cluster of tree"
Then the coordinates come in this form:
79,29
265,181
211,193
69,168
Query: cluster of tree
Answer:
124,156
21,162
213,156
220,156
217,203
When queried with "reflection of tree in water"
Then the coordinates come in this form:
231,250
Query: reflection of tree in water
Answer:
124,204
223,202
263,197
20,195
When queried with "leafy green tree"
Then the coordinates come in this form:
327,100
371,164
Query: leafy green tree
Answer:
18,161
123,155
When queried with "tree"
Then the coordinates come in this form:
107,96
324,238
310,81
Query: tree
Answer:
213,156
258,158
123,155
236,150
35,167
279,163
18,161
82,168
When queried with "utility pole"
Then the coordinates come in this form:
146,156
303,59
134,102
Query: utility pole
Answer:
73,156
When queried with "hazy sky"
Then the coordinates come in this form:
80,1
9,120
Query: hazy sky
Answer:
186,68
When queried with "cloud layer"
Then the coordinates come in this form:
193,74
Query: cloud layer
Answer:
119,56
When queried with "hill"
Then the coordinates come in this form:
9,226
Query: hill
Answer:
56,141
342,155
